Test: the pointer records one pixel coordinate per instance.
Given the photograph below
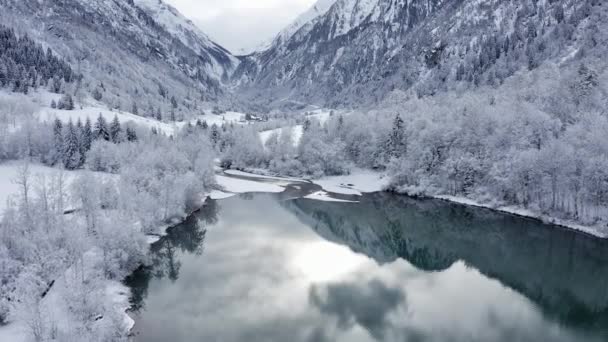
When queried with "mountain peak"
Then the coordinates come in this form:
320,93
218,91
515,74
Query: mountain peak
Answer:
318,9
188,33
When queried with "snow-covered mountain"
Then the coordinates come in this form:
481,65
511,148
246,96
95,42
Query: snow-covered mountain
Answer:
360,50
133,51
221,61
318,9
339,53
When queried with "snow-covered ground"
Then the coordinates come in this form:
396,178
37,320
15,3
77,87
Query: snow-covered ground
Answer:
321,115
240,186
115,294
9,172
248,174
358,182
296,134
93,111
325,197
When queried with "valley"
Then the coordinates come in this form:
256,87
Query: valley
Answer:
381,170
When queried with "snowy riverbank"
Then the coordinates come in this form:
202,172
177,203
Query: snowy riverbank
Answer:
362,181
522,212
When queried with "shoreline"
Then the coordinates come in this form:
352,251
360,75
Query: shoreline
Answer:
590,231
358,190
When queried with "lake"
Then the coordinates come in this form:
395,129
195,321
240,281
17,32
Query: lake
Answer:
391,268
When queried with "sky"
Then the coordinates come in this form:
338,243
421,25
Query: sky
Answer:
241,24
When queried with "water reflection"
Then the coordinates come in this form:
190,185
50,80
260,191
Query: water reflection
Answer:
389,268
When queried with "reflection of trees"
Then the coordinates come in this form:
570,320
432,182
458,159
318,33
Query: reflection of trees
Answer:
187,237
565,273
138,282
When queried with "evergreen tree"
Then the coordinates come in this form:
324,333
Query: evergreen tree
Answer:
53,104
173,102
71,148
82,150
97,95
69,102
134,108
115,130
56,85
85,139
159,115
205,125
24,64
87,133
306,125
66,102
57,142
131,134
101,129
395,144
215,134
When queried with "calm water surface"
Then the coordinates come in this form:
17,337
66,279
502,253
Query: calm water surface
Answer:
391,268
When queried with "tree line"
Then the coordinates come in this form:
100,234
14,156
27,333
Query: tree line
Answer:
24,64
537,142
151,181
72,142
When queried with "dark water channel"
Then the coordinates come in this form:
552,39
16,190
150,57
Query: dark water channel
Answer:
390,268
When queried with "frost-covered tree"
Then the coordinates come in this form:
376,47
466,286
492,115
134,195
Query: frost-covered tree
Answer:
101,131
87,135
66,102
158,115
131,134
57,151
71,148
214,135
116,131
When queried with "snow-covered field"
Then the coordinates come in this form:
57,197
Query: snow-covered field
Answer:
296,134
322,115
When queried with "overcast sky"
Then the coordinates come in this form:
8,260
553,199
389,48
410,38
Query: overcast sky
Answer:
241,24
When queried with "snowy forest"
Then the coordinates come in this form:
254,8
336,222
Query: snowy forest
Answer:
68,236
105,153
536,142
24,64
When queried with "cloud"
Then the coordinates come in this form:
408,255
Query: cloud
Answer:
241,24
367,305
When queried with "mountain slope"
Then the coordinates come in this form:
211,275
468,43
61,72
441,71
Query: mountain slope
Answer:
360,50
318,9
220,60
133,52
